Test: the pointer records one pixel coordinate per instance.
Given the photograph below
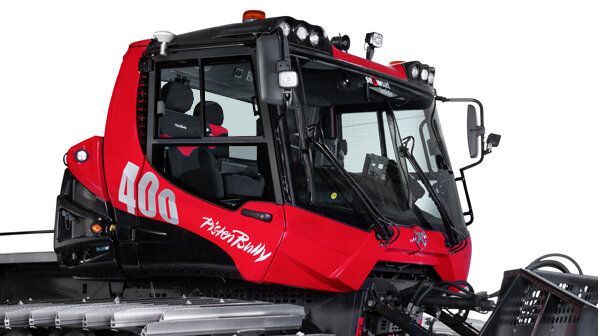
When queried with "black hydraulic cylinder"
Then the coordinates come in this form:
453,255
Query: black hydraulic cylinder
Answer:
457,303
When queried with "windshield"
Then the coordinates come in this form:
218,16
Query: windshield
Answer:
354,115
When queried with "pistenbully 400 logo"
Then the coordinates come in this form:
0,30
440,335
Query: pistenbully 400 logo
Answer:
236,239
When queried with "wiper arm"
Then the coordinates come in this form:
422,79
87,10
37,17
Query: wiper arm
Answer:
396,139
384,227
446,219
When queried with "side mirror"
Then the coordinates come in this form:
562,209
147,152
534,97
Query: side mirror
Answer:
475,133
275,77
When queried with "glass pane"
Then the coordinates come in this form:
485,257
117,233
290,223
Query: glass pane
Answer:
413,123
360,131
332,196
229,175
230,96
177,109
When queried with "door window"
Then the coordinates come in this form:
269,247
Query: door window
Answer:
179,96
209,140
230,98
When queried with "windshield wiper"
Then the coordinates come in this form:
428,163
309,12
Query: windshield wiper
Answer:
384,227
446,218
449,227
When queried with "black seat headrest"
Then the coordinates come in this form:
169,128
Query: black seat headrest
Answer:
214,113
177,96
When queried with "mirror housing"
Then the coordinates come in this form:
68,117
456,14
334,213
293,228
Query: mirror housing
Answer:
475,133
275,76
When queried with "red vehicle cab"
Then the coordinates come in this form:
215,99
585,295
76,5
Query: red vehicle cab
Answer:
209,168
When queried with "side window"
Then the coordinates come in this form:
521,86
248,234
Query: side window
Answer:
230,180
229,98
179,96
208,103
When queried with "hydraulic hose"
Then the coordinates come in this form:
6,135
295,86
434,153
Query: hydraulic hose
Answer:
541,262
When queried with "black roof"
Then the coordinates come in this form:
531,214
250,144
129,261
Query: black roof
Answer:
227,33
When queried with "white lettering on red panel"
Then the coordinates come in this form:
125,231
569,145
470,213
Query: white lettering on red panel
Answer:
151,200
236,239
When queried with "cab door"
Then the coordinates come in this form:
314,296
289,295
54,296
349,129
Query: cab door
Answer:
207,199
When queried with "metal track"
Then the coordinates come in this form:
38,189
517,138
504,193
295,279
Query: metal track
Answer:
159,317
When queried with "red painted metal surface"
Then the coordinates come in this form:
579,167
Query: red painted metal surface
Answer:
121,142
231,231
91,172
397,71
321,253
297,248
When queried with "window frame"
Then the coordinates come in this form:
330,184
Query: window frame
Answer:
201,56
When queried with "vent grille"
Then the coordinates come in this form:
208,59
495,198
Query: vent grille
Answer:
142,102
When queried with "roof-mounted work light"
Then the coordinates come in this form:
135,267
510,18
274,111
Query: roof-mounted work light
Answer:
372,40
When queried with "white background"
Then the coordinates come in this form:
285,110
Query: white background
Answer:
531,63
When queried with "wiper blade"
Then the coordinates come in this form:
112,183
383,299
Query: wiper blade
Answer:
446,219
385,227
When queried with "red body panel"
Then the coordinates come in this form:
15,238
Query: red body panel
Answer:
297,248
121,142
91,172
230,230
397,71
324,254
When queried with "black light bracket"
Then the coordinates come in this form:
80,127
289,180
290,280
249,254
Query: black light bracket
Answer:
373,40
493,140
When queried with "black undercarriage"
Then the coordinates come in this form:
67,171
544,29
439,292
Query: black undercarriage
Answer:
378,309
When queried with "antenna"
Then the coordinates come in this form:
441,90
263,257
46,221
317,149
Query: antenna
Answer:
164,37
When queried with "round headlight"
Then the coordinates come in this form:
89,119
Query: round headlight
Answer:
81,155
314,38
431,76
424,74
301,33
415,72
286,29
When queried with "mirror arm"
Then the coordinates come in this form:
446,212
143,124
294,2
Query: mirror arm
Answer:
483,152
469,211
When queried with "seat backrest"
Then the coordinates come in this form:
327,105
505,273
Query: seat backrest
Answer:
214,119
194,167
205,179
177,99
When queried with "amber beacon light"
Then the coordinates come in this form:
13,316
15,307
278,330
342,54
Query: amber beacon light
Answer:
253,15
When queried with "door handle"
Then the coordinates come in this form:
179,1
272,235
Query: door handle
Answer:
263,216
